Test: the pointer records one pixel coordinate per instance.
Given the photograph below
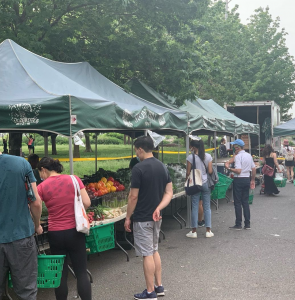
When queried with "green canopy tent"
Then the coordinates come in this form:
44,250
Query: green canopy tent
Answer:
38,94
285,129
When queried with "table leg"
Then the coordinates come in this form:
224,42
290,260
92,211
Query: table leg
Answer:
117,243
125,236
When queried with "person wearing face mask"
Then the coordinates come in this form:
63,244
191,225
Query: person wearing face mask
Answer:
58,193
244,164
203,162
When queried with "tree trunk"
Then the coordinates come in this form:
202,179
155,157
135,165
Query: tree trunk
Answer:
124,139
87,141
53,144
76,151
15,143
209,141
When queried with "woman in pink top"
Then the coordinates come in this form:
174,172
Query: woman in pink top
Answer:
57,191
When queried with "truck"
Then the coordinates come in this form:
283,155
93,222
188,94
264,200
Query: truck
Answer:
265,113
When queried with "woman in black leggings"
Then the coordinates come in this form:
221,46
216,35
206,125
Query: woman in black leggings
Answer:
58,193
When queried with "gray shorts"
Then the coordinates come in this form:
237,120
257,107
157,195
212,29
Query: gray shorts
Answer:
146,237
20,257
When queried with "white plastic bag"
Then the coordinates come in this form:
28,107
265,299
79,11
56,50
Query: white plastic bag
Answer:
78,141
82,223
157,139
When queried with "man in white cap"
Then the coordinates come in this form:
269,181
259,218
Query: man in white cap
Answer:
243,166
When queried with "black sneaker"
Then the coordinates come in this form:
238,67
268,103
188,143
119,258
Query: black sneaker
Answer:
145,295
247,227
236,227
201,224
160,291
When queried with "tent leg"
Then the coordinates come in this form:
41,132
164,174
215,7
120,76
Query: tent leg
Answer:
178,151
249,142
188,198
215,151
71,156
259,144
162,152
95,152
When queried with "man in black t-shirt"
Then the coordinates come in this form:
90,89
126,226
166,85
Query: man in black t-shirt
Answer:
151,191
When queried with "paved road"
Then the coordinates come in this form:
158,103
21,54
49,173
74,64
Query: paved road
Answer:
233,265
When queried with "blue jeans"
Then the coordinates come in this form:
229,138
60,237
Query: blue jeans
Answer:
206,197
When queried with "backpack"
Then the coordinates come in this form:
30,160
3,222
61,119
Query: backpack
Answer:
289,156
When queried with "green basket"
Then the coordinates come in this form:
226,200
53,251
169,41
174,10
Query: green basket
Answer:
100,238
251,197
219,191
49,271
224,179
280,182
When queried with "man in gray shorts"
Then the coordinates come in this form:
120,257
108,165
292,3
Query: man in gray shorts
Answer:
18,251
151,191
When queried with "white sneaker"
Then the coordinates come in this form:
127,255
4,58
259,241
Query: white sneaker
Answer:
192,235
209,234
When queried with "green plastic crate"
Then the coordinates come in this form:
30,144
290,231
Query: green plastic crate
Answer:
219,191
224,179
251,197
100,238
49,271
280,182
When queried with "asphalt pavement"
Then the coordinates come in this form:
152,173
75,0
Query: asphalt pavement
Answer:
233,265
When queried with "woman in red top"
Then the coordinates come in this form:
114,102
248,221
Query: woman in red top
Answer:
57,191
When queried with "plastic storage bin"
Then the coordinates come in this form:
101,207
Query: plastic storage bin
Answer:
280,182
100,238
49,271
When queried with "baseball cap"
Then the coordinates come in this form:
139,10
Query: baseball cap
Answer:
238,142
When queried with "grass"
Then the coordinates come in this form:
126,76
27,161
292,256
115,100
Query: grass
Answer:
88,167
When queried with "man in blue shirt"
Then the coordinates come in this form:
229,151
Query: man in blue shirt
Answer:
18,222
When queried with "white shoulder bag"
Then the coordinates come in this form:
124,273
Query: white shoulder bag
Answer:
82,223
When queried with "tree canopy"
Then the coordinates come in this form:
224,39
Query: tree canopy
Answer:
184,48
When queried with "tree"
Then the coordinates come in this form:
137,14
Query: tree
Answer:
253,62
53,144
87,142
15,143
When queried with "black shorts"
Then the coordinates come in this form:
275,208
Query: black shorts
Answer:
289,163
30,147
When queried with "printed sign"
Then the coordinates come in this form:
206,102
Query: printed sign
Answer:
24,113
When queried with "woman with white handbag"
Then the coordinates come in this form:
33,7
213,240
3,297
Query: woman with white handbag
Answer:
60,194
197,163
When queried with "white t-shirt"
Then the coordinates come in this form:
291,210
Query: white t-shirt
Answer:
244,161
200,164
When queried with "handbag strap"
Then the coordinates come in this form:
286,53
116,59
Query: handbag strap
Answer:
76,187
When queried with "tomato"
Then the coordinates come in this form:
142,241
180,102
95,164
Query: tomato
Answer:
116,183
91,185
99,193
103,179
111,179
113,189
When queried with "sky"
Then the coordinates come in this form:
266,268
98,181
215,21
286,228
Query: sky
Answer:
278,8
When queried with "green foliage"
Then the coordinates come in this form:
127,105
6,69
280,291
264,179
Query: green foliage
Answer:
115,135
108,140
182,48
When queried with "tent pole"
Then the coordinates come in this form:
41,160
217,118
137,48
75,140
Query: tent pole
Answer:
71,155
259,144
215,151
178,150
249,142
162,152
71,139
95,152
188,198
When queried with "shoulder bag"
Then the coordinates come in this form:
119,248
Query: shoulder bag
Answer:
267,170
194,181
82,223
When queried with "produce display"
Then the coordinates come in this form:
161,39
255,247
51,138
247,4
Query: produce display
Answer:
103,186
104,182
177,174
